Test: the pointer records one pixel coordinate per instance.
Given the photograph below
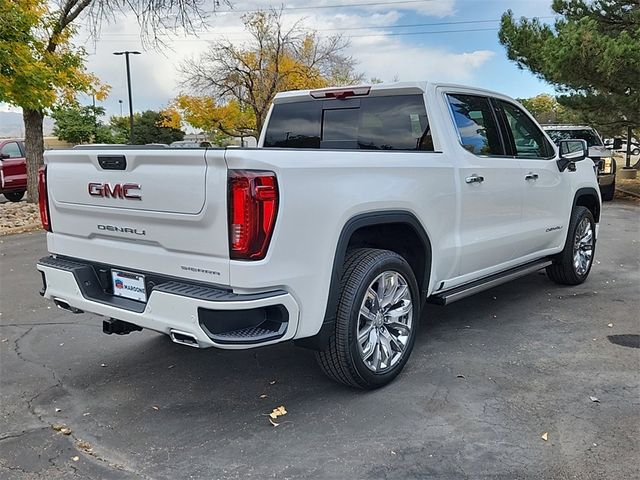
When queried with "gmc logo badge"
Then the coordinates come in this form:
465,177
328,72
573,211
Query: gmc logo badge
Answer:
117,190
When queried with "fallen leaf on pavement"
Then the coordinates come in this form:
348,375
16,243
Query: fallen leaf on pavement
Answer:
5,340
103,364
155,407
86,446
274,423
545,436
460,376
278,412
65,431
57,427
263,396
58,409
272,382
610,325
75,459
594,399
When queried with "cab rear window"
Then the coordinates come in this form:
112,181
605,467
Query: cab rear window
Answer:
373,123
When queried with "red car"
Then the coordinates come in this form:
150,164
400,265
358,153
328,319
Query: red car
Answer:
13,169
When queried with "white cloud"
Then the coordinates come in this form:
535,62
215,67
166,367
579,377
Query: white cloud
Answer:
155,76
385,59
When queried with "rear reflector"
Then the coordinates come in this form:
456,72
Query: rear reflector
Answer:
43,200
253,206
341,93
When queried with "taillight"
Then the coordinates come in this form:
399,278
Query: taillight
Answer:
43,200
253,206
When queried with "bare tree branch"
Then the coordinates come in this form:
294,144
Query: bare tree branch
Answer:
274,59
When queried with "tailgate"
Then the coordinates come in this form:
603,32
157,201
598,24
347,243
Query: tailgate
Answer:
162,211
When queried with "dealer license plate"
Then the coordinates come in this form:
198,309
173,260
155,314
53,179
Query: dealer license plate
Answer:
129,285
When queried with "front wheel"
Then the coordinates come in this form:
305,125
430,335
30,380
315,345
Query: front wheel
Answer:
573,264
14,196
377,319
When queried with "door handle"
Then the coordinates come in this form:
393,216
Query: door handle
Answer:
474,179
531,176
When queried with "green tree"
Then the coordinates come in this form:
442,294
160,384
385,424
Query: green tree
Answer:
40,67
148,127
591,55
77,124
547,109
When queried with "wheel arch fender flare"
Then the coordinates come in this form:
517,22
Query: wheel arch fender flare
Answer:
586,197
351,226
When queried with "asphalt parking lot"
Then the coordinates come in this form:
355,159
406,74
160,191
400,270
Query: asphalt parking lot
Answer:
489,376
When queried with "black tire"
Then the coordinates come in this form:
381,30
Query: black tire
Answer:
342,360
608,192
563,270
14,196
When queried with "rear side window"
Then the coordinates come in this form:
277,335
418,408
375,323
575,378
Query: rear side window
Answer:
528,139
373,123
476,124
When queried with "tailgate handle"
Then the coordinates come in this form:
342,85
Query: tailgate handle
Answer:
112,162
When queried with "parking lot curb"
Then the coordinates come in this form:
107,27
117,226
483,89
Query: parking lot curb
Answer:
626,192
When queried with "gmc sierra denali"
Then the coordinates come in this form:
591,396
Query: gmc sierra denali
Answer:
359,205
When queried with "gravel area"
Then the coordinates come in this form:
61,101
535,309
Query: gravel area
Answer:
19,217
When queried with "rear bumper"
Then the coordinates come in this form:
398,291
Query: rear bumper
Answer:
213,317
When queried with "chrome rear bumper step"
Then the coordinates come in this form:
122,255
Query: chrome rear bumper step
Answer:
449,296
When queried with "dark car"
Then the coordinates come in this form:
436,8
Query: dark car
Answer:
13,169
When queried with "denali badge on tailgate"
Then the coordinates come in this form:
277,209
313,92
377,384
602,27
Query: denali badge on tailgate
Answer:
113,228
117,190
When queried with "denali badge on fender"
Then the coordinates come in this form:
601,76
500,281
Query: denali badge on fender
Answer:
112,228
117,190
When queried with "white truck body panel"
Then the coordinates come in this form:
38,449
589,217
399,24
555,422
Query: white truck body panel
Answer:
475,229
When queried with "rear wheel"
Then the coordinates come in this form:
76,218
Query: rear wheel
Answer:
608,192
573,264
14,196
376,323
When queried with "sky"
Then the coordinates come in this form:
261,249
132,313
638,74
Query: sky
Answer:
389,39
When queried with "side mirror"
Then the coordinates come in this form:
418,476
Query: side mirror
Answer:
617,144
4,155
571,151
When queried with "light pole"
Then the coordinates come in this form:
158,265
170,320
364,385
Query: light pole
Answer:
120,102
126,54
95,118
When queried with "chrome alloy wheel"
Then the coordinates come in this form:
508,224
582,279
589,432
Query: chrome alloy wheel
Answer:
384,322
583,247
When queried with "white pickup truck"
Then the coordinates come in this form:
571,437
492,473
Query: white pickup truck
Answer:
359,205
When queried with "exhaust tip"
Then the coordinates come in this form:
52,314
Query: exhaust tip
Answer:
184,338
65,306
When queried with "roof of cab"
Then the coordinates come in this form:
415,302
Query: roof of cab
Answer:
394,88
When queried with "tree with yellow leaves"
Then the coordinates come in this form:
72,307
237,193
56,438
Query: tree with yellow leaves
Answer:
236,83
41,68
